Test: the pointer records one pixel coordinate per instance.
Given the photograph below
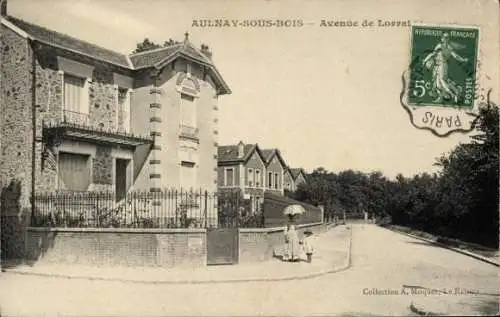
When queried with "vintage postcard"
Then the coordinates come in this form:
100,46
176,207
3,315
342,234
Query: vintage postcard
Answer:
249,158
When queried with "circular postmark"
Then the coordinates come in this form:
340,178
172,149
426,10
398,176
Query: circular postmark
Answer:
443,85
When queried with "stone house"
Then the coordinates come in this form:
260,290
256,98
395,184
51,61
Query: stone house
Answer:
79,117
293,177
243,167
252,170
275,169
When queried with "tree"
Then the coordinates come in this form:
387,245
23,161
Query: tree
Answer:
147,45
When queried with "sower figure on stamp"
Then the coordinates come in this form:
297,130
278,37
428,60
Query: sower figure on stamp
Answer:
437,61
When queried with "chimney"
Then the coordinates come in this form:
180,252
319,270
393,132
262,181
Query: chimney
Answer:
206,51
241,150
3,8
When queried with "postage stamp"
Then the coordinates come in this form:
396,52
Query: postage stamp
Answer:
441,81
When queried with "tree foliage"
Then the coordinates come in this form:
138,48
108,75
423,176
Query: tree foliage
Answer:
147,45
459,201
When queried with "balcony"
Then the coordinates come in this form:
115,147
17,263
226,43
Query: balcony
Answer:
78,126
76,118
188,132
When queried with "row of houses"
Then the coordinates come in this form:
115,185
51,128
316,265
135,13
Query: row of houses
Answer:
77,117
254,170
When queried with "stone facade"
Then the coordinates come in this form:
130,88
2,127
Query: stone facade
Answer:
102,167
16,126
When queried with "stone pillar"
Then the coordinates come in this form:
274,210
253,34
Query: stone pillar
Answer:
322,208
155,120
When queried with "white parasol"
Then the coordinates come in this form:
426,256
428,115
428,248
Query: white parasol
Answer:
293,210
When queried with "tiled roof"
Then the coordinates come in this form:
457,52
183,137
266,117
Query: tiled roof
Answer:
153,57
134,61
58,39
295,172
267,154
228,153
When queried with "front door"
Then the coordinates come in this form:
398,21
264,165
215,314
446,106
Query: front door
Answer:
121,179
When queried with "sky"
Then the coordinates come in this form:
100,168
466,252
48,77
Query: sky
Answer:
325,96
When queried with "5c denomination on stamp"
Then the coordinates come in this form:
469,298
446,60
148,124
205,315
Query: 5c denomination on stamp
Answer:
439,87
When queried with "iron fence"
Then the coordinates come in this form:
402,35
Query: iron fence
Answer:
168,208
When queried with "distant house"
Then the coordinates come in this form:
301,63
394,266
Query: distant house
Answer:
242,166
293,177
275,168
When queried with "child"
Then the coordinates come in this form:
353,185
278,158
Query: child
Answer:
307,245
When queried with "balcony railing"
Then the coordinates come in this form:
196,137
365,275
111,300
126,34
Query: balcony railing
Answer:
188,132
77,118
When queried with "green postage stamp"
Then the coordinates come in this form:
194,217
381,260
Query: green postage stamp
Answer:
441,82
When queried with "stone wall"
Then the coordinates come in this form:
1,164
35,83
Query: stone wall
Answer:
146,247
102,166
103,100
117,247
16,128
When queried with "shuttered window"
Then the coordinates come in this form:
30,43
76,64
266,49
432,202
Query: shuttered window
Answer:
124,106
229,177
74,100
188,111
74,171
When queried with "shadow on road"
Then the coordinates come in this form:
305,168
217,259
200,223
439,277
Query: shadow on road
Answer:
429,244
487,307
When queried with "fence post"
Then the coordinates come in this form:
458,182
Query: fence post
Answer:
98,210
236,220
205,209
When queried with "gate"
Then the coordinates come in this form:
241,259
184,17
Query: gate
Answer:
222,246
222,242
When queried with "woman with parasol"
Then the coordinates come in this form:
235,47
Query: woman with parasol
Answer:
292,241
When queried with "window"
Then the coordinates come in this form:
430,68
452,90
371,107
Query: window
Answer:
252,204
251,177
188,111
188,175
74,171
229,178
74,94
270,180
276,180
257,178
124,108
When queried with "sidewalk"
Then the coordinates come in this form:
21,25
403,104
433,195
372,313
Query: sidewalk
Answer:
332,254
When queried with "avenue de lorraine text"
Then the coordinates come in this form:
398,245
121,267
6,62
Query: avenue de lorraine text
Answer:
296,23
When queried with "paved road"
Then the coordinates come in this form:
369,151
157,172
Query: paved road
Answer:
381,261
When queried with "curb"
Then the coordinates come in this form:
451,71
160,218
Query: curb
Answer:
421,312
464,252
347,265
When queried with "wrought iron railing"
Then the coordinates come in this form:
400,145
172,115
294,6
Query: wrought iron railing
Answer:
188,131
143,209
77,118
